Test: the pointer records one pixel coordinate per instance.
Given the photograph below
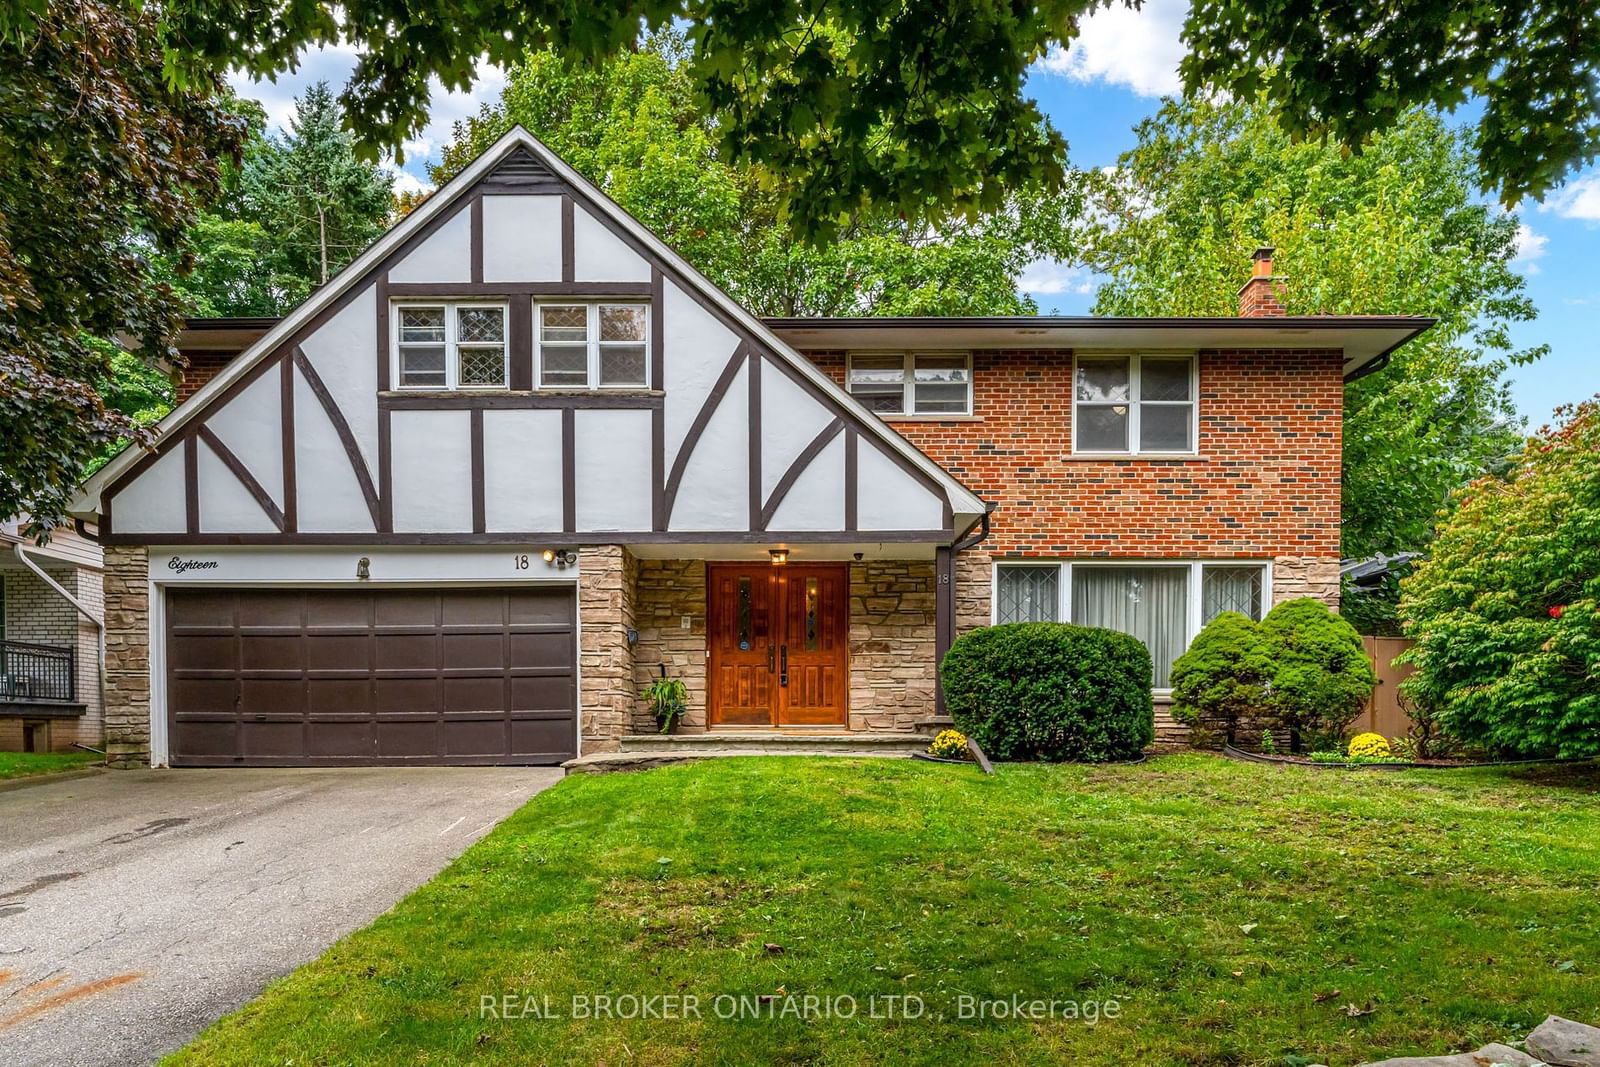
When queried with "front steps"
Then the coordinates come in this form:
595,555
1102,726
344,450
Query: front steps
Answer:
642,751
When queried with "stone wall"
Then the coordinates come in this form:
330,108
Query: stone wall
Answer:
892,642
1313,576
607,575
669,592
974,589
127,601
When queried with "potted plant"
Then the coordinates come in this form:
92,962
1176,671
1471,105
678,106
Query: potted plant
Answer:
668,699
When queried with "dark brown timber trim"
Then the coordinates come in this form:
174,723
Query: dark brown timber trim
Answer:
286,406
520,336
241,472
515,401
680,462
509,289
658,418
569,470
568,241
798,467
348,439
753,432
476,222
385,519
479,521
629,537
850,479
191,483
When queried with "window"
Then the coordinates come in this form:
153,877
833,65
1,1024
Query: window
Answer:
1134,403
450,346
593,346
1163,604
912,383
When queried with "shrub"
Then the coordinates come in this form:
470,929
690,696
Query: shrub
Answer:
1051,691
1223,676
1369,744
1506,609
1321,676
949,744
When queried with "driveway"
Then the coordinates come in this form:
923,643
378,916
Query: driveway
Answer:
138,906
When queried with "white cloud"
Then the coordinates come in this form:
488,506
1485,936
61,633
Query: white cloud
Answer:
1138,50
1531,245
1578,199
406,182
1051,277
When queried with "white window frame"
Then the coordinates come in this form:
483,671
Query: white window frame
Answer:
592,364
908,381
452,352
1195,567
1135,404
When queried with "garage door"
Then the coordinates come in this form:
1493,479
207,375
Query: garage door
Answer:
259,677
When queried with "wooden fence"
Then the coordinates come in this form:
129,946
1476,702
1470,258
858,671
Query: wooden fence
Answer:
1383,713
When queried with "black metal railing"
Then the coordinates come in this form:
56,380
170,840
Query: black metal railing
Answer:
37,672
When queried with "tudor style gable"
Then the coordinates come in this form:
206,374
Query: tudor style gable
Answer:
520,360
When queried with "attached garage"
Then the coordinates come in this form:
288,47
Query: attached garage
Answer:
344,677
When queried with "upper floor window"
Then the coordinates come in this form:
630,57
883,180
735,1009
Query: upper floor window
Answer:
599,345
912,383
1134,403
451,346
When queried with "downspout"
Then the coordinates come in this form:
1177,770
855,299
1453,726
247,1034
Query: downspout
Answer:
99,624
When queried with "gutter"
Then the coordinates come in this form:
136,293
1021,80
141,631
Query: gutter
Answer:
99,624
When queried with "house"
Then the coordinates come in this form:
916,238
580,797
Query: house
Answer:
519,458
50,648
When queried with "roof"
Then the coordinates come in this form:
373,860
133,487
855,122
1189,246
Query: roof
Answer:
265,344
1367,340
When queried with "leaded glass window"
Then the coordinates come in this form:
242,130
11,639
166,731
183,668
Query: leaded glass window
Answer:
1028,594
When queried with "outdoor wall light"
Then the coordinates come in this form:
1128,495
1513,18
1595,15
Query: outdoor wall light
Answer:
780,556
363,568
561,557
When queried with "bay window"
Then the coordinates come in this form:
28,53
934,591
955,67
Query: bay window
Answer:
1163,604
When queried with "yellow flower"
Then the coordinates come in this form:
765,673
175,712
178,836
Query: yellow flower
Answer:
1369,744
949,744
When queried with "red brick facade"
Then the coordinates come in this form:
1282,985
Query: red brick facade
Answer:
202,367
1264,485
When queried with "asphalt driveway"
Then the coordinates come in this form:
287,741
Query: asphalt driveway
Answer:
138,906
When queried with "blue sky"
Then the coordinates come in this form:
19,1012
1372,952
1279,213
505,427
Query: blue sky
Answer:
1112,77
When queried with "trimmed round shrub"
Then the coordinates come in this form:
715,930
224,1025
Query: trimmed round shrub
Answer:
1051,691
1222,679
1369,744
1321,676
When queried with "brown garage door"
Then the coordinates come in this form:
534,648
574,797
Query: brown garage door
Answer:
294,677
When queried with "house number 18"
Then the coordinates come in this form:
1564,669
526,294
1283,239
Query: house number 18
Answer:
520,562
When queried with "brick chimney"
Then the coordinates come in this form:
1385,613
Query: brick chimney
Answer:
1262,295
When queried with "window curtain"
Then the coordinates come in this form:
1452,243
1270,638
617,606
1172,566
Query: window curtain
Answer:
1150,603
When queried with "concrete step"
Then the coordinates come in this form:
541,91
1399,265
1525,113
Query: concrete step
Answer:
764,742
931,726
607,762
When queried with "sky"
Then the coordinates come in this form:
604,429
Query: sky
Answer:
1112,76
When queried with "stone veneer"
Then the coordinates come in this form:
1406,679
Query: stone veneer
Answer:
127,717
668,592
607,577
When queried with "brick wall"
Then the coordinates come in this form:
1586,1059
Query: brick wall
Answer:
606,580
1266,482
37,614
201,368
127,602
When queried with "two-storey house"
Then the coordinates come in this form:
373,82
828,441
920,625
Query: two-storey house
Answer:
520,458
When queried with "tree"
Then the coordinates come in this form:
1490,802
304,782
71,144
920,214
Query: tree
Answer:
102,167
1506,608
1222,677
1356,70
1394,230
634,127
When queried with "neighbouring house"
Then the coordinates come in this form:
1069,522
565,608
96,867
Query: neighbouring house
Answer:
519,458
50,649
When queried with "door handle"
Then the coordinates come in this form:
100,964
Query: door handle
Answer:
770,653
783,670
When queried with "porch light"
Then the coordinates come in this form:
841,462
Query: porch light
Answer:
561,557
780,556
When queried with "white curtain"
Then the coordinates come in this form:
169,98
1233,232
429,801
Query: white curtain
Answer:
1150,603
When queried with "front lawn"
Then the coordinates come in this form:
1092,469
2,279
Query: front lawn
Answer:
25,764
1237,914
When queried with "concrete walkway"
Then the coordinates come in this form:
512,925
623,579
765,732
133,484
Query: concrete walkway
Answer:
138,906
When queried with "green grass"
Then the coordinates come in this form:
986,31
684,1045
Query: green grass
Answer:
24,764
1235,911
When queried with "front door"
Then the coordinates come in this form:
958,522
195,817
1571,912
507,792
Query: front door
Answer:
778,644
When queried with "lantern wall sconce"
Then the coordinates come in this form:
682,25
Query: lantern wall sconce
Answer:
560,557
779,556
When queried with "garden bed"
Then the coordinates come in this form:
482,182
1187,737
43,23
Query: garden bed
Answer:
1386,765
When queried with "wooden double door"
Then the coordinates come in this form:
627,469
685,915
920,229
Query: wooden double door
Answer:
778,644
